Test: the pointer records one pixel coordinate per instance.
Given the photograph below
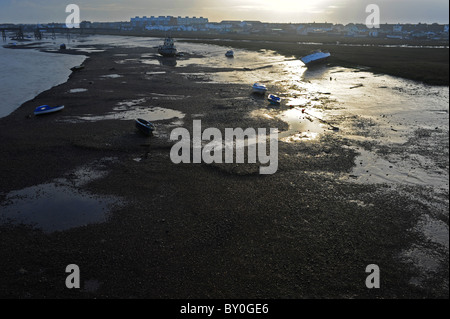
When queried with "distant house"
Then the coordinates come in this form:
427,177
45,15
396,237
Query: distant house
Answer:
397,28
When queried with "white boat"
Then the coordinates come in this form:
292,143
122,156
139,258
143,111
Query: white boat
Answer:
259,88
315,57
229,54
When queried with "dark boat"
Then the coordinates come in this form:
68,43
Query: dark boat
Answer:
46,109
229,54
77,68
168,49
145,127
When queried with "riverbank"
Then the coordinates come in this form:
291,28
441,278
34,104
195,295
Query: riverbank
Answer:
198,230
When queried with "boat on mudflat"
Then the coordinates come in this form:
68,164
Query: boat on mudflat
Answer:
46,109
316,57
273,99
259,88
168,49
145,127
229,54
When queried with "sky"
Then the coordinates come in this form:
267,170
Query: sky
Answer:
284,11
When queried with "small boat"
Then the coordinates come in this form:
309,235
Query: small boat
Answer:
62,47
229,54
77,68
315,58
46,109
145,127
168,49
259,88
273,99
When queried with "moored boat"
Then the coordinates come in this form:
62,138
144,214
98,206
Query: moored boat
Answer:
77,68
168,49
315,58
273,99
259,88
145,127
229,54
46,109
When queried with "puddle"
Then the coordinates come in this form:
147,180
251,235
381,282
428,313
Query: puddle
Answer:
156,73
112,76
373,169
59,205
148,112
170,97
78,90
131,103
435,230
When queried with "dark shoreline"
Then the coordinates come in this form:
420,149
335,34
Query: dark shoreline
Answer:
198,231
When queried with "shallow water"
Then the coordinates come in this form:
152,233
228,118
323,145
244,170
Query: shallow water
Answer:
26,73
60,204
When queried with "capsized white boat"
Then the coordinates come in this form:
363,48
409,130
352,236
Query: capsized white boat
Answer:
259,88
315,57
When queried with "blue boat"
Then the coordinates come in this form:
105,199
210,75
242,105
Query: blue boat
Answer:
46,109
145,127
273,99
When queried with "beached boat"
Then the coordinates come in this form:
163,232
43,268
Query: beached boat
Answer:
145,127
168,49
46,109
259,88
229,54
316,57
77,68
273,99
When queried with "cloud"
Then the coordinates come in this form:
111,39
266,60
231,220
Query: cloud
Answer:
344,11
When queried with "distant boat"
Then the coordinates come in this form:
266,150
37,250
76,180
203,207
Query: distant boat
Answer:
273,99
168,49
46,109
229,54
77,68
62,47
145,127
315,58
259,88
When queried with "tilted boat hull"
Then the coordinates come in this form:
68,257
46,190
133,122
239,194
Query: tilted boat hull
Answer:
46,109
315,58
145,127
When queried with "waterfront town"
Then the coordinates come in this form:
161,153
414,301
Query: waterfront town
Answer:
422,31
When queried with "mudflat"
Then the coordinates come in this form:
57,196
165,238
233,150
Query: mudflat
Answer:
198,230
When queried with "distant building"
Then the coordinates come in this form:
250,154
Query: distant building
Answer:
191,21
167,21
397,28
